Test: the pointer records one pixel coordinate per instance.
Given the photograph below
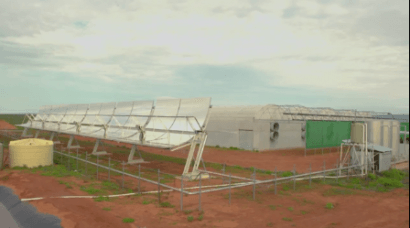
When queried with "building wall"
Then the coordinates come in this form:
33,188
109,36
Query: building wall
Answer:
290,135
225,133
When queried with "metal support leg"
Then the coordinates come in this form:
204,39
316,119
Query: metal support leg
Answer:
96,148
190,156
131,156
52,136
70,141
37,134
25,131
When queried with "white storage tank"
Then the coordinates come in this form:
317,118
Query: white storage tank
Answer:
395,140
386,133
374,132
31,152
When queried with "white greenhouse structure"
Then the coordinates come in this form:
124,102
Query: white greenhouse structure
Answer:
269,127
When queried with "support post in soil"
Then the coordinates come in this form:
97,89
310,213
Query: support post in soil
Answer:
310,175
159,187
122,186
324,170
200,178
348,170
182,194
97,166
254,183
109,168
139,178
294,179
276,181
229,189
86,162
77,159
337,171
223,171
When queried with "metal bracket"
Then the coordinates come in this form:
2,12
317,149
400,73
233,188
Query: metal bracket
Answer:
25,133
70,141
194,174
131,156
96,148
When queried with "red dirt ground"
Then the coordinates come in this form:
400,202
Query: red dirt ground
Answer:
281,159
268,160
362,209
6,126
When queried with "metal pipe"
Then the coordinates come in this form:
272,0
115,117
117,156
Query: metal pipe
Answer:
224,175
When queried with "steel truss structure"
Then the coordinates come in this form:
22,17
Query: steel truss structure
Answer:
169,124
357,154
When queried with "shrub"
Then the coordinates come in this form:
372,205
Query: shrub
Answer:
329,206
101,198
190,218
394,174
372,176
390,183
287,174
166,204
287,219
128,220
201,217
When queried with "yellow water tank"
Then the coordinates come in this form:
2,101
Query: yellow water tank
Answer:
31,152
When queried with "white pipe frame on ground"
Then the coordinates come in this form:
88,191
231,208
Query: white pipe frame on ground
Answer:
163,191
120,172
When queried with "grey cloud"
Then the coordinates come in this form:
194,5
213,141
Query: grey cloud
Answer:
25,56
255,5
291,12
390,26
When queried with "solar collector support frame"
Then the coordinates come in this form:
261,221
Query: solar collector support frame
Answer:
168,125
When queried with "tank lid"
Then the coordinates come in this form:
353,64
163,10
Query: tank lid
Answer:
31,142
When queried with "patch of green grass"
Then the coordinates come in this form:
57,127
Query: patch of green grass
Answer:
200,218
272,207
329,206
390,183
286,188
127,220
190,218
101,199
166,205
107,209
394,174
287,219
371,176
109,186
287,174
290,209
90,190
270,224
303,212
187,212
65,183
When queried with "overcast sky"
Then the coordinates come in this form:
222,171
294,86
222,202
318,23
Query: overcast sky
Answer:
317,53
